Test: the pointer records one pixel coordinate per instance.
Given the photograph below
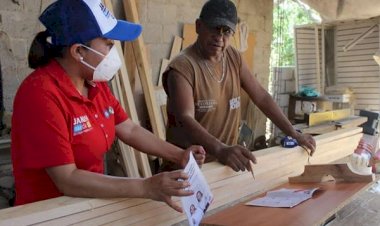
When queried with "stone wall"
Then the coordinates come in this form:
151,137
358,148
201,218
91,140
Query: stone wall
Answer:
284,85
18,26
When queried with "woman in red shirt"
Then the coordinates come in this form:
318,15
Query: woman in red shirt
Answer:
65,117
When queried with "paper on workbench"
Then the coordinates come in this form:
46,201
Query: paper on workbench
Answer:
195,206
283,198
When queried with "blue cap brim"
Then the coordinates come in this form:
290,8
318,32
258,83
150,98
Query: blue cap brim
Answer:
124,31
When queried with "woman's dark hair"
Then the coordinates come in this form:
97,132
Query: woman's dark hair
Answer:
41,51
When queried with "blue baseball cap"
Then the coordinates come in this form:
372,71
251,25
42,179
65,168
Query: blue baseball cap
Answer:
79,21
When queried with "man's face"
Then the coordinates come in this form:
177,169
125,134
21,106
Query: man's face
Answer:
214,40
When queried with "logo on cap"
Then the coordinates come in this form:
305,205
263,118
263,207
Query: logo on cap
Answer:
105,11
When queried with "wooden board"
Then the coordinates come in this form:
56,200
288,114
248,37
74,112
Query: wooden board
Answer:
189,35
164,65
122,86
139,51
331,197
320,117
176,47
274,167
350,122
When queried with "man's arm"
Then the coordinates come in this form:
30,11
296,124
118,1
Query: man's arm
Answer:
181,105
265,102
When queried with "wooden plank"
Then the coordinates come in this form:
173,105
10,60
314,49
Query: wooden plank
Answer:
355,52
139,51
360,85
351,122
95,213
128,158
161,98
306,51
357,69
124,87
355,30
340,172
355,24
42,211
176,47
367,101
164,65
222,180
189,35
333,197
320,117
354,58
366,90
355,74
366,41
364,45
357,63
357,79
130,63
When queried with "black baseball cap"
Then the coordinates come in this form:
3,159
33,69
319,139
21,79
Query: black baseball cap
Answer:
217,13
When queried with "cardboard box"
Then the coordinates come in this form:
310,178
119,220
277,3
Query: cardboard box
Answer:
339,98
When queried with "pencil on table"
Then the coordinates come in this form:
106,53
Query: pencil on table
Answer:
250,162
251,165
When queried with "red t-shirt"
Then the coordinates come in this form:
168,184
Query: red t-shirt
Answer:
54,125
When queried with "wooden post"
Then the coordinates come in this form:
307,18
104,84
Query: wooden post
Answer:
126,99
317,60
144,71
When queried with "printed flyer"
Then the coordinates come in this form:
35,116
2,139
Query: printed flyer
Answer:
195,206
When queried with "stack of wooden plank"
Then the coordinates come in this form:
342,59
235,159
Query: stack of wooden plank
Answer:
274,167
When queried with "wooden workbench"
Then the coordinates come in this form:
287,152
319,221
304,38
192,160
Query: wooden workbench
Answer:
274,167
331,196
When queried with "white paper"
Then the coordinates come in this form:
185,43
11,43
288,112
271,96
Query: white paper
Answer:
195,206
283,198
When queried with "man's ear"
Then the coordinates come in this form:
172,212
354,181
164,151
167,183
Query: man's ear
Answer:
76,52
197,25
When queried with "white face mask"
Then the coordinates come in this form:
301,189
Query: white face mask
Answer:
107,68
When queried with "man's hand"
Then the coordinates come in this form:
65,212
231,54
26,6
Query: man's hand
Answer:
306,141
162,186
237,157
199,155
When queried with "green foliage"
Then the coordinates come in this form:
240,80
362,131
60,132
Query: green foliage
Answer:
286,15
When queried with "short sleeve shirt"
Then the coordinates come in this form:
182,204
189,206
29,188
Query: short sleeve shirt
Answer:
217,104
54,125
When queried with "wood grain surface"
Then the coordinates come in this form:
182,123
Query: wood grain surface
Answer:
326,201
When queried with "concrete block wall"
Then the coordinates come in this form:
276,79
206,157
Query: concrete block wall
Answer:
161,20
18,26
283,85
258,15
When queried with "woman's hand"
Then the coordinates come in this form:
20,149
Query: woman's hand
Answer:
198,152
162,186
